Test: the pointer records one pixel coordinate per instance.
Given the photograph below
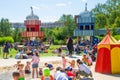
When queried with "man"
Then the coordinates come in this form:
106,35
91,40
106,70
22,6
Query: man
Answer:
61,75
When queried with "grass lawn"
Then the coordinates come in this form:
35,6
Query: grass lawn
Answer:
51,48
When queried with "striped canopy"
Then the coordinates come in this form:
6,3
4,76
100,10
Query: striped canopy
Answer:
108,56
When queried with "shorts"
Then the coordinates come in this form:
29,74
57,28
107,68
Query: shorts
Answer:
35,65
6,51
27,72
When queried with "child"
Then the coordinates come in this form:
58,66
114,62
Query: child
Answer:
50,66
89,60
72,64
63,61
85,59
40,72
16,75
35,62
16,65
27,68
59,51
70,74
21,71
46,75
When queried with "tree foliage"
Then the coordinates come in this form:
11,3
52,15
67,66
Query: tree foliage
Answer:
5,27
107,14
59,34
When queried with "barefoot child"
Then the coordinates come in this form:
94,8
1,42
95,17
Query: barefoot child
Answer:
35,62
16,65
40,72
16,75
50,66
27,68
64,61
85,59
46,74
72,64
21,71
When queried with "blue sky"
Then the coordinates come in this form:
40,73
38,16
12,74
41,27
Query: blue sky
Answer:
47,10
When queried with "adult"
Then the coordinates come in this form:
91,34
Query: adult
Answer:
21,55
57,72
6,50
61,75
70,48
83,69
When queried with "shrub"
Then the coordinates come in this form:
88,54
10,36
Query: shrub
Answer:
63,42
117,37
100,37
56,42
8,39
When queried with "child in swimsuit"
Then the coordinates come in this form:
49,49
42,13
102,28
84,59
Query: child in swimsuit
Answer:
21,71
27,68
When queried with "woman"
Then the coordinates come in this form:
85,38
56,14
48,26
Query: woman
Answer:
35,62
69,43
6,49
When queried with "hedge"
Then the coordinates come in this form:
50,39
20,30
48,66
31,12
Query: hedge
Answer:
8,39
59,42
117,37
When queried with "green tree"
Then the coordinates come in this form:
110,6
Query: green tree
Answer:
69,24
107,14
17,33
60,33
5,27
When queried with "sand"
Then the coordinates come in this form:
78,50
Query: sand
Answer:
7,67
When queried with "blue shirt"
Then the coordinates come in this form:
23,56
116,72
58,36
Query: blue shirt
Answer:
49,66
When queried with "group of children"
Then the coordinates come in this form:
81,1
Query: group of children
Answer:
82,67
65,72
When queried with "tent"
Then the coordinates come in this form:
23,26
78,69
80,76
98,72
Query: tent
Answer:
108,57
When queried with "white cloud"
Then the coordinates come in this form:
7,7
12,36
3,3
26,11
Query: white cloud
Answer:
61,4
84,0
41,6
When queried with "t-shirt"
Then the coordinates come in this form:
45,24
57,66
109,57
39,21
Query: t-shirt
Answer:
49,66
70,74
56,74
83,67
35,59
6,47
62,76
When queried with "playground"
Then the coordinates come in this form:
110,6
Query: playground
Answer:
60,40
7,67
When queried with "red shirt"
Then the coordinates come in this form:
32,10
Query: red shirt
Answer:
70,74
